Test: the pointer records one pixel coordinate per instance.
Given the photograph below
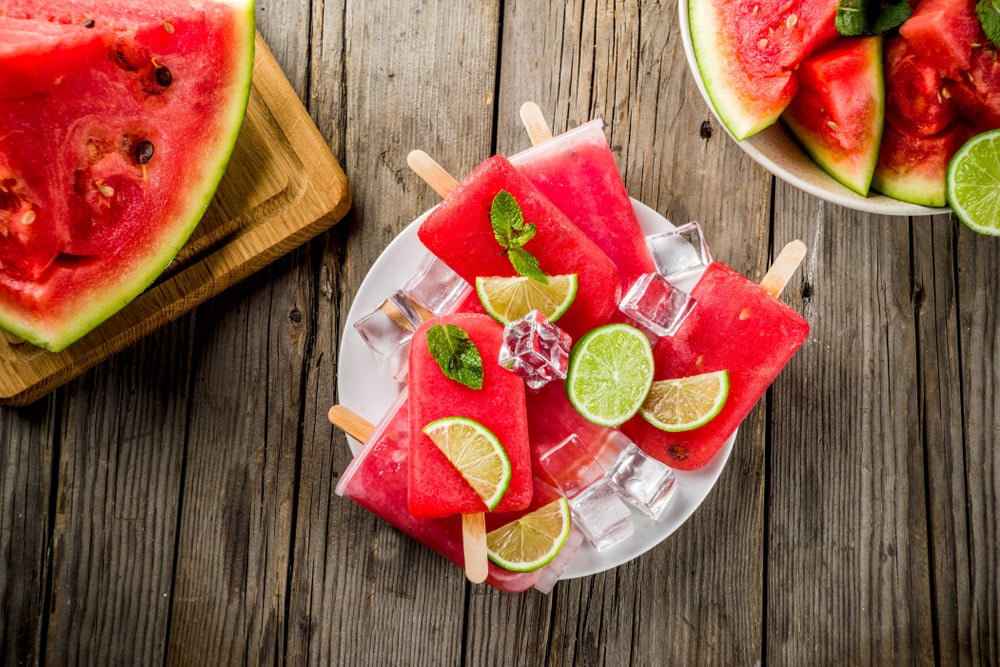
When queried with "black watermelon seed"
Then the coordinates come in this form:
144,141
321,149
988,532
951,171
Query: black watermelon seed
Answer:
163,76
89,23
143,152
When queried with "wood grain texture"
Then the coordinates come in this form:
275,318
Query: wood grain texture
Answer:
175,504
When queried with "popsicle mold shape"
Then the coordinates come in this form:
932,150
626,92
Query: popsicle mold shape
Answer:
436,487
460,232
536,349
578,173
679,252
738,326
657,304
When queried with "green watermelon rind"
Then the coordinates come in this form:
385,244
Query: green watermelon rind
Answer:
911,188
60,330
711,55
860,179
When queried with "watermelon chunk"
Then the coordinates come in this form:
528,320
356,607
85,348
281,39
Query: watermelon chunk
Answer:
747,52
976,92
838,112
118,121
916,98
912,168
942,32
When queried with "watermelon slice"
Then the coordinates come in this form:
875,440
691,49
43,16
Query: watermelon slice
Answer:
118,119
747,52
977,92
942,33
838,112
912,168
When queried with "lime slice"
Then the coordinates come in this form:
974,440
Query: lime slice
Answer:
531,541
476,453
610,370
686,403
509,298
973,183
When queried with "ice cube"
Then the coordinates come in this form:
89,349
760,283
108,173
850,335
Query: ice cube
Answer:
435,288
643,481
657,304
680,251
535,349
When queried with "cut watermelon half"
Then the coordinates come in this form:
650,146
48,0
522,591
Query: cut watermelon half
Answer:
747,52
118,121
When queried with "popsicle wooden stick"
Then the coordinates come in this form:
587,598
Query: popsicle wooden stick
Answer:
351,423
477,566
784,266
534,122
432,173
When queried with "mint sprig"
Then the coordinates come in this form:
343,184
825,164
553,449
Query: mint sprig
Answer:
988,13
512,232
856,18
456,354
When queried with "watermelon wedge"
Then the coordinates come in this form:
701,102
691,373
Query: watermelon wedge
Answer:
838,112
118,119
747,52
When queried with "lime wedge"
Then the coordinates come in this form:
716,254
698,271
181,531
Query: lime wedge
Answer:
685,404
509,298
973,183
610,370
476,453
531,541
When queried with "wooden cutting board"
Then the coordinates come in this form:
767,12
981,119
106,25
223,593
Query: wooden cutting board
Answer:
282,187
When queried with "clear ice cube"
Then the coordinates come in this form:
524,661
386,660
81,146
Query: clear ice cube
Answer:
435,288
601,515
387,329
551,573
597,510
643,481
657,304
535,349
680,251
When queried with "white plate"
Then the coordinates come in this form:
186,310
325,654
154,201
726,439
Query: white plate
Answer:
368,389
775,150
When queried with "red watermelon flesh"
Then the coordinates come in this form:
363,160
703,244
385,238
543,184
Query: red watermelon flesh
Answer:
747,52
942,33
976,92
912,168
118,122
915,96
838,113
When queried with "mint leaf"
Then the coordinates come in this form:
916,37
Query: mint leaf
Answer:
456,354
856,18
988,12
512,232
526,265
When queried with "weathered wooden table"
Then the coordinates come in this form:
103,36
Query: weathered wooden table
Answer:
175,505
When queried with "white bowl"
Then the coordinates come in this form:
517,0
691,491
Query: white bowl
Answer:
779,153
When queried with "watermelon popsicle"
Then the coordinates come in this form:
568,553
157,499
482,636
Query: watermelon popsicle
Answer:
461,233
377,479
578,173
738,326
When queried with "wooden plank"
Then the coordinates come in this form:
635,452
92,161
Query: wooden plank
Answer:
696,599
241,468
848,571
979,339
395,76
282,187
115,516
29,442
